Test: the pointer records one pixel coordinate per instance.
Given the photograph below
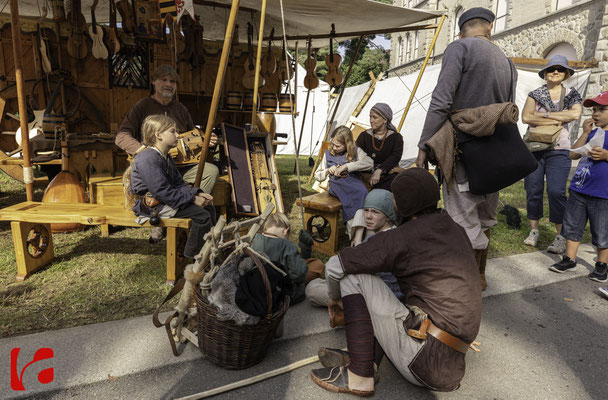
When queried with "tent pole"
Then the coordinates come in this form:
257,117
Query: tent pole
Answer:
426,60
258,60
331,121
28,172
217,90
301,129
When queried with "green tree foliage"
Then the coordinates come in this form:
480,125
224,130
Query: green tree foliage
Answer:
370,58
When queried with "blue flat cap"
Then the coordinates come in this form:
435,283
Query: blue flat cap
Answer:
476,12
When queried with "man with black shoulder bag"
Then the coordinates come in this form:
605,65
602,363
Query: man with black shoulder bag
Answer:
475,73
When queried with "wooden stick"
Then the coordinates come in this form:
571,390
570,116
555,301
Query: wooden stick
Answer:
426,60
188,290
331,121
217,90
28,175
252,380
543,62
301,130
258,60
362,33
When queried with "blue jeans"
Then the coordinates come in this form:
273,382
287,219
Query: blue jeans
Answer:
555,165
581,208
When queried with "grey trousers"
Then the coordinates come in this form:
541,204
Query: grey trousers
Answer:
210,175
475,213
388,315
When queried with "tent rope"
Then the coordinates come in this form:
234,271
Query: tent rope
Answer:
293,118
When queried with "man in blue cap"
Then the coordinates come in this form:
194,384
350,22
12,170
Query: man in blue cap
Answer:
474,73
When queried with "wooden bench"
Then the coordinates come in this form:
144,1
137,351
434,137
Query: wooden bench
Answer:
108,190
321,213
33,241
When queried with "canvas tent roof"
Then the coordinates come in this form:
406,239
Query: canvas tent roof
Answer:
307,17
395,91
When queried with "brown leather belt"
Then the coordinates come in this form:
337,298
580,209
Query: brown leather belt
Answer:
427,327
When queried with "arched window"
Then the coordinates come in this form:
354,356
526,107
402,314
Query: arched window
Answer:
457,15
562,49
408,50
400,51
502,12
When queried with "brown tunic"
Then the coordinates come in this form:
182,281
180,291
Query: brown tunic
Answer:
128,137
434,264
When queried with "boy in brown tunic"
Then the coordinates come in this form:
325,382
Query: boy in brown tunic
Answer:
433,261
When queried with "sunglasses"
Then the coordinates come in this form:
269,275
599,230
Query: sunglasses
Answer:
558,69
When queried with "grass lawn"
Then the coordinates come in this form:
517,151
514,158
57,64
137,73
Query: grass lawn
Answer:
95,279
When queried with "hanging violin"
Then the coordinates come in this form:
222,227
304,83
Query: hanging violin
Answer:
334,73
311,80
269,63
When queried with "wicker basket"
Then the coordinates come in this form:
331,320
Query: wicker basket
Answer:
233,346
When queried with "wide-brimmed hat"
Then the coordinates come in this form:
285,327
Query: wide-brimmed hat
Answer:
554,61
599,100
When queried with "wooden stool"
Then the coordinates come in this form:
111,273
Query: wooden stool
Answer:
321,215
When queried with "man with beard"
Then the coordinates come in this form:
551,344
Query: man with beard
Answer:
164,81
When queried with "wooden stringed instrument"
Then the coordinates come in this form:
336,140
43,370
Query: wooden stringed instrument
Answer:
77,47
126,15
334,73
189,147
65,187
113,42
44,54
285,66
269,63
311,80
249,65
98,49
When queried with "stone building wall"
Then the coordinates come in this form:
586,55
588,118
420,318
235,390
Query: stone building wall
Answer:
583,25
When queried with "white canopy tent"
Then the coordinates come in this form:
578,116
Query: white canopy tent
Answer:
395,91
316,116
303,18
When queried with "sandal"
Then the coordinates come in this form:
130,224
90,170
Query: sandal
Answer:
336,380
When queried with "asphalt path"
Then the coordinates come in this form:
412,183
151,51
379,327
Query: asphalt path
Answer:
547,342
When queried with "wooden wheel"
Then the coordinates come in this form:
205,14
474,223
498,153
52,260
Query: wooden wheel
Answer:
37,241
319,227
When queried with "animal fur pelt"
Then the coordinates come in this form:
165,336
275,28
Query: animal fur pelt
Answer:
513,216
223,290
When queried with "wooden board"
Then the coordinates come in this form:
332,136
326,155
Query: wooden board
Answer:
239,170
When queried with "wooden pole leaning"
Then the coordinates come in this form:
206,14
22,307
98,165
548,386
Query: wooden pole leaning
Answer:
426,60
333,115
28,172
258,60
217,90
189,287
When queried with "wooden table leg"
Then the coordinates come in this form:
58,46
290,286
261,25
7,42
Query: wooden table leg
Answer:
176,262
33,244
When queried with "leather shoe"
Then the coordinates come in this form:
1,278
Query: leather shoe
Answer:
336,380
